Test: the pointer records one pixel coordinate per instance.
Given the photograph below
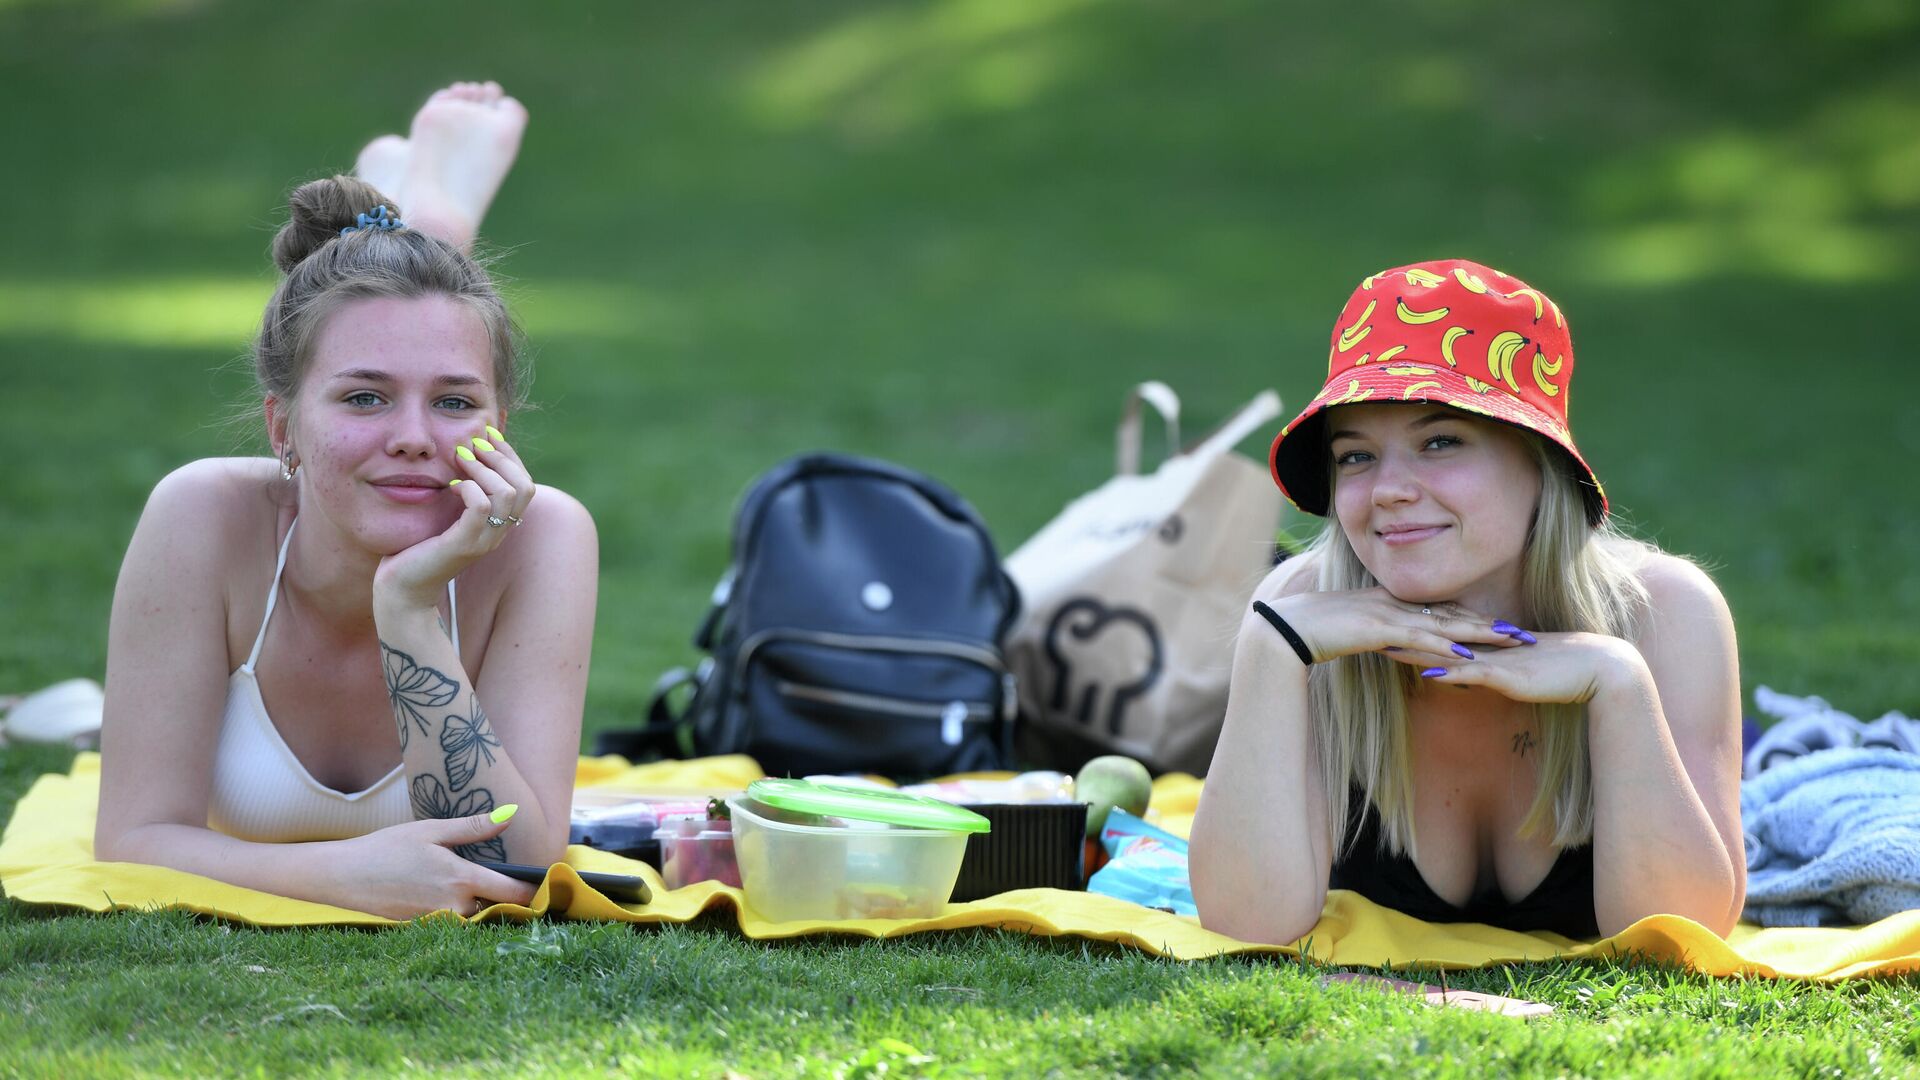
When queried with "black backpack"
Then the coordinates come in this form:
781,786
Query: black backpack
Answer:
858,629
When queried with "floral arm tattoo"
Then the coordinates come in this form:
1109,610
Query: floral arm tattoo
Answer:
419,696
414,690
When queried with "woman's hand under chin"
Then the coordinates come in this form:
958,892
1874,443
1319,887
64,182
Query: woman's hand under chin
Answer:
1569,668
1451,645
1344,623
497,486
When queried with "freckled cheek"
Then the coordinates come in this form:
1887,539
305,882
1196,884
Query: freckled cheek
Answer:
448,434
335,456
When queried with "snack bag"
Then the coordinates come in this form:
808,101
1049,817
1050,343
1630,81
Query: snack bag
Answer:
1146,865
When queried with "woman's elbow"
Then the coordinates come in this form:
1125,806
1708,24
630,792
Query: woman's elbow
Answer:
1715,919
542,847
1262,925
545,853
113,842
1717,909
1739,905
1229,904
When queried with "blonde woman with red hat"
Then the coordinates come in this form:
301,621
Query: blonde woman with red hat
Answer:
1471,699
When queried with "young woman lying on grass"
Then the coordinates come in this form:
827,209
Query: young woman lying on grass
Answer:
301,644
1471,699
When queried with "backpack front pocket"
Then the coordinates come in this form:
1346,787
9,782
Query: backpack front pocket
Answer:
815,700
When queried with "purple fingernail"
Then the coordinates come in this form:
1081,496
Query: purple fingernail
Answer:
1462,651
1433,673
1502,626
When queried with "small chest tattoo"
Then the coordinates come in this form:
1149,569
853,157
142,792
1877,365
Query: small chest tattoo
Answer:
1522,743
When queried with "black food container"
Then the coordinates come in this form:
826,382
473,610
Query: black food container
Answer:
1032,846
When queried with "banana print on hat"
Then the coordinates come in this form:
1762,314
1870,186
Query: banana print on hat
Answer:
1460,334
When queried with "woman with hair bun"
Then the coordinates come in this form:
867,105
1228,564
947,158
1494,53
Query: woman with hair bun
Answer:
1471,699
343,672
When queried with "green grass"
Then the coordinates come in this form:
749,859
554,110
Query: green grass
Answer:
951,234
164,993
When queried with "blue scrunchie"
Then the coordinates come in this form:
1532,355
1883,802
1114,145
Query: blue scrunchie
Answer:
379,218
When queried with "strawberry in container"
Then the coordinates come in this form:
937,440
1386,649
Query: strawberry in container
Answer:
696,847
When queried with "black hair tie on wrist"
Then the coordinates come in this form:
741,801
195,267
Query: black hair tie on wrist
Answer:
1280,624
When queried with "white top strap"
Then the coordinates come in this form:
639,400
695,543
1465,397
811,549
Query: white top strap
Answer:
273,594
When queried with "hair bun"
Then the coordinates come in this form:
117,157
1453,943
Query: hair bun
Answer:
320,209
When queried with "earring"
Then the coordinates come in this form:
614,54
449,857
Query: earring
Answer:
287,467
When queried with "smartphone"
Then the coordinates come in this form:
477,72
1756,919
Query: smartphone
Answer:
626,888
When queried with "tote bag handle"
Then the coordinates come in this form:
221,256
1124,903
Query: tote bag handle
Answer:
1126,458
1262,409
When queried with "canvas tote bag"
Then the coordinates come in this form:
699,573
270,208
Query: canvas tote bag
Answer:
1134,594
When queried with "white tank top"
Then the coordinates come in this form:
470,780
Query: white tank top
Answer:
261,792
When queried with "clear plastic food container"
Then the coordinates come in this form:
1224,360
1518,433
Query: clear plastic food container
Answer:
807,864
696,848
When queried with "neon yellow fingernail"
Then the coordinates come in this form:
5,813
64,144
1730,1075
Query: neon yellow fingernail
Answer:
505,813
494,433
481,444
465,453
453,483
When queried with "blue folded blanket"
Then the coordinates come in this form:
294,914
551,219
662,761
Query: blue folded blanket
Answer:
1833,838
1809,725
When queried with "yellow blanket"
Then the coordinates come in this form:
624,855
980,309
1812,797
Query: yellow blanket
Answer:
46,857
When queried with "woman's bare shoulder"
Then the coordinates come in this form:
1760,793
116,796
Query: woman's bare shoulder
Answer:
555,525
1673,580
556,536
206,536
558,511
215,501
1296,575
1684,606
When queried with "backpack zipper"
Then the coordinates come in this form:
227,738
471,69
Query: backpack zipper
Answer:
985,657
918,710
954,715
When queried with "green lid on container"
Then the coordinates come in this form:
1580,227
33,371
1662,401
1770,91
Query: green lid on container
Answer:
867,804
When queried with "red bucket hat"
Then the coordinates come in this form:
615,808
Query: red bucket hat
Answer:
1452,333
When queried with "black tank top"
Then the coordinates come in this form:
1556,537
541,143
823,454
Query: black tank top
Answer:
1562,902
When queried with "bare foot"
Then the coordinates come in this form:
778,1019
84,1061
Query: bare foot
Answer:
462,144
383,163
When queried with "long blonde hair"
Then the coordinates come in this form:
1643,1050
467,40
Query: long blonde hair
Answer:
1574,577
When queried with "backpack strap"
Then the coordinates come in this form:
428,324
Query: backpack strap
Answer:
666,734
722,592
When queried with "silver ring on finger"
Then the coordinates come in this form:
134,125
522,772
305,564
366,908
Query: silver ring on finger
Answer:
1423,611
513,519
495,520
